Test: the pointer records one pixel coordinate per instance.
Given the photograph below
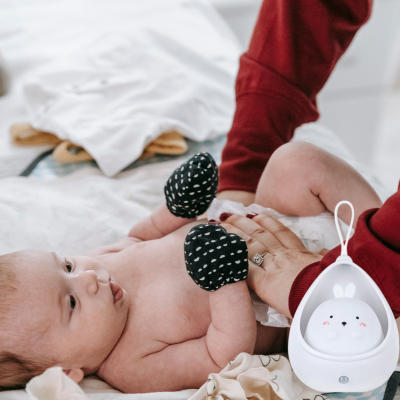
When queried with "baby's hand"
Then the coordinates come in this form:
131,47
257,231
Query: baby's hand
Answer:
192,187
188,193
214,257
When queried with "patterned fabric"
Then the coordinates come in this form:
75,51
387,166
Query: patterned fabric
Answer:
214,257
376,394
192,186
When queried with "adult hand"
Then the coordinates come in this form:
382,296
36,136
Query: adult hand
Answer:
285,257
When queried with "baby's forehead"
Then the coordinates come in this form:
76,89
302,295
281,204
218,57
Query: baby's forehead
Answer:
33,302
36,269
30,258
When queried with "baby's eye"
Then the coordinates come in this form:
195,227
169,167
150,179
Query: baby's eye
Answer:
68,265
72,301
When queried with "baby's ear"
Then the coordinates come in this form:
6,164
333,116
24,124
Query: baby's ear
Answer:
76,374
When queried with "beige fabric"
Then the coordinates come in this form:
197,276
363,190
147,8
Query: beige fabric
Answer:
23,134
167,143
256,377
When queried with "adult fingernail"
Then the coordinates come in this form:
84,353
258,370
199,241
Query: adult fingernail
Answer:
212,220
224,216
251,215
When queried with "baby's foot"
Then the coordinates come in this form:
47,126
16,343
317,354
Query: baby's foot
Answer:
192,187
215,257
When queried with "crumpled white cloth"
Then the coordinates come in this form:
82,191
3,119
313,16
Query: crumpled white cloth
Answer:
256,377
144,68
53,384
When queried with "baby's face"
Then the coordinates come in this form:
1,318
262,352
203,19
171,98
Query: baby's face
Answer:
74,304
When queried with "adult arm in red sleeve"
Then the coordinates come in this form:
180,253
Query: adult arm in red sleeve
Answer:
375,247
294,48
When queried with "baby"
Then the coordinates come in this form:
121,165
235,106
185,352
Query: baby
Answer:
132,314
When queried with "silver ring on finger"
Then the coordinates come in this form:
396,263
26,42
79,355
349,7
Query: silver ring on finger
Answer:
258,258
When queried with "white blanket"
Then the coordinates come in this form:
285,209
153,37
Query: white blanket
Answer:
112,75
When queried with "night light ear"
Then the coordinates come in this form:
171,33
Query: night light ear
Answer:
76,374
338,291
350,290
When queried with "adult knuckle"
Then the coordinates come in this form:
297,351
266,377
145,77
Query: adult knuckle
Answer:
250,241
226,226
258,231
281,229
234,218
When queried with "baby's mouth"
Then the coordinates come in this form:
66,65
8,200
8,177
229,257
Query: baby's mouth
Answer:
116,291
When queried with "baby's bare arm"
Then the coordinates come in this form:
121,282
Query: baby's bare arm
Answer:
158,224
233,329
187,365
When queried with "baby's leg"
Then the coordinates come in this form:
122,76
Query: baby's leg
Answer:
302,179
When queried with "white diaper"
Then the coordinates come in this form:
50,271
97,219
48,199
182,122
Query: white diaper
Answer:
316,233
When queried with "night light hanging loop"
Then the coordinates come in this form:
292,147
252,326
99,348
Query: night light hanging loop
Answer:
343,244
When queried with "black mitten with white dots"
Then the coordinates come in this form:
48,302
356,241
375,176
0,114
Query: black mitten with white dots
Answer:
192,187
215,257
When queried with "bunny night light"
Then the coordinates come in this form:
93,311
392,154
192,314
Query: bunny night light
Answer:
344,326
345,341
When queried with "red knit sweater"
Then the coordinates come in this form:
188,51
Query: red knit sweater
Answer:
294,48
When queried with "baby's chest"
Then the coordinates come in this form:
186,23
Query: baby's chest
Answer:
173,310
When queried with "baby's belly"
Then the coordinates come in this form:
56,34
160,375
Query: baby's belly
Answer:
180,310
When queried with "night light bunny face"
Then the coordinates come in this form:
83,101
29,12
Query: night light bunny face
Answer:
344,326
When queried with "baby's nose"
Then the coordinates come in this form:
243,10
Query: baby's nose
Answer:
89,280
344,323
